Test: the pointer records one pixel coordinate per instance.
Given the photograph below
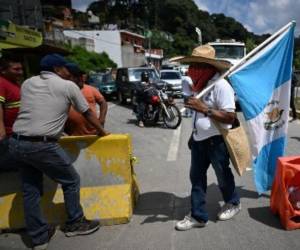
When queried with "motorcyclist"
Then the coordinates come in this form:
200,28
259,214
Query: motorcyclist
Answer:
144,91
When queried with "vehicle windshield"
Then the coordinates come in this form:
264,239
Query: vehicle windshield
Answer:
96,77
170,75
101,78
107,78
229,51
135,74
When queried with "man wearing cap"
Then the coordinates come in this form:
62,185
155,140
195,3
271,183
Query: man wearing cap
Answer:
11,73
206,143
76,123
45,103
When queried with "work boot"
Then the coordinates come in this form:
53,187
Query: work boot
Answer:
51,233
81,227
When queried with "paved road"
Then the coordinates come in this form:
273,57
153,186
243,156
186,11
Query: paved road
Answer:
163,175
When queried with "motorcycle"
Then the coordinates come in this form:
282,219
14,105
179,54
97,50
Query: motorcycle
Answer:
161,107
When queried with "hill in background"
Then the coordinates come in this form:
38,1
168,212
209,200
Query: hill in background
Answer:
170,24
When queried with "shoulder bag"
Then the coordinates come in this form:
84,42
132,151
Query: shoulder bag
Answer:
237,144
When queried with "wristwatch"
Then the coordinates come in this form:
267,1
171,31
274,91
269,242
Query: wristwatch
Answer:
209,112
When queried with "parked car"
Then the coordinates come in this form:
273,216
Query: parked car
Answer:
173,79
104,83
128,78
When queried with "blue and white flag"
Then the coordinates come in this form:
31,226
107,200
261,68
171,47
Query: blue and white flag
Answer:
262,85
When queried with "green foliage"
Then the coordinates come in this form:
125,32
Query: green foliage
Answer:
164,40
90,61
250,44
297,59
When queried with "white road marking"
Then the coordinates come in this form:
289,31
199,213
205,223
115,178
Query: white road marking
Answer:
248,169
174,146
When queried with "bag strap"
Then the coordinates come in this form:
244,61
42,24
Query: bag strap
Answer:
218,126
222,130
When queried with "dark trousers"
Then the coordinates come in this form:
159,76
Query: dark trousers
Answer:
141,107
292,103
210,151
7,160
36,159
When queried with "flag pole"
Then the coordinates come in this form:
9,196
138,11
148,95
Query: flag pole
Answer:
244,59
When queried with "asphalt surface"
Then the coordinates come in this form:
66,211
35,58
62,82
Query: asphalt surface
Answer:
163,174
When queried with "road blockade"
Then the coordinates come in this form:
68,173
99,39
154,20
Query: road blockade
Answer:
108,183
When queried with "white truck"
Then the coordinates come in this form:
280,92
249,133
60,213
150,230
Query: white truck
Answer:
229,50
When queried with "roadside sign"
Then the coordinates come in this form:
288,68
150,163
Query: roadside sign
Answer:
16,36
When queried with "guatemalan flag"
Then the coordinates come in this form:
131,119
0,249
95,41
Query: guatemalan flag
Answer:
262,85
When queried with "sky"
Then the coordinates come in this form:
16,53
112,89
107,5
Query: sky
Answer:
81,4
257,16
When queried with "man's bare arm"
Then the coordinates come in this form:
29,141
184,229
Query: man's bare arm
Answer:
218,115
92,119
103,111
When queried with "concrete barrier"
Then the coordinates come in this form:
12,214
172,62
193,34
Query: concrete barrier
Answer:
108,184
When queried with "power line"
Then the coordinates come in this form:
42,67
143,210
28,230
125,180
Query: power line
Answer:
95,38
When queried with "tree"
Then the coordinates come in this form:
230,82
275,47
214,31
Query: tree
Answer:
177,19
90,61
250,44
297,59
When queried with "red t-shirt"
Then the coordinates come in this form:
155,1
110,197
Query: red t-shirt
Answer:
10,101
77,124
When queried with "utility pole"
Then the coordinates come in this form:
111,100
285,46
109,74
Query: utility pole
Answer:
199,33
149,34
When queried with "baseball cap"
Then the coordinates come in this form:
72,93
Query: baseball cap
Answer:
50,61
74,69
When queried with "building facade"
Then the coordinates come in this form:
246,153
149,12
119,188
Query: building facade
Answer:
21,12
123,47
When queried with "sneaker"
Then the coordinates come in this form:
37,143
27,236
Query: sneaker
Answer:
291,119
141,124
81,227
228,211
51,233
188,223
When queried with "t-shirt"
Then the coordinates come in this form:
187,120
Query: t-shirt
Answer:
77,124
221,98
187,85
10,101
45,104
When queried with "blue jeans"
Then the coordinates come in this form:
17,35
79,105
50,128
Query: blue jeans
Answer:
7,160
210,151
36,159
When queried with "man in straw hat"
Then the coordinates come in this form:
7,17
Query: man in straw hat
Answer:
206,143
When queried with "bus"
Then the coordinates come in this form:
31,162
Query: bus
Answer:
229,50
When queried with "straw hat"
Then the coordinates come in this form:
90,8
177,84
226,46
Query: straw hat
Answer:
205,54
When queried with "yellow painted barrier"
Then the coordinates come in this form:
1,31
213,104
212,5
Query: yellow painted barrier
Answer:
108,184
